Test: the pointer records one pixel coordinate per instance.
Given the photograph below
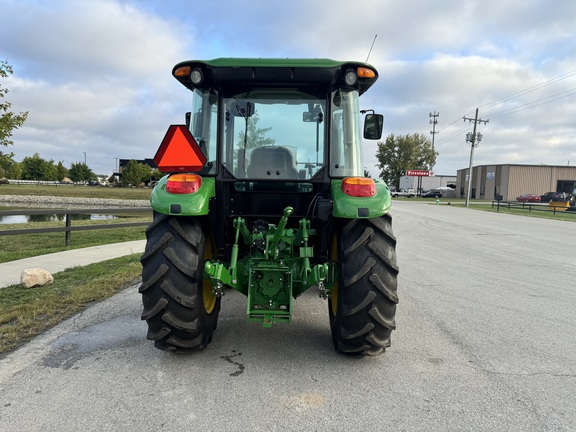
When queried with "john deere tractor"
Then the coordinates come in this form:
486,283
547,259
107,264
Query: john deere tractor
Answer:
265,194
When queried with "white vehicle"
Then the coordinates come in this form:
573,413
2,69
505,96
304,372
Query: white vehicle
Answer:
408,193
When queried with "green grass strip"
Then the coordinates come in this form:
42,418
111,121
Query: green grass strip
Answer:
25,313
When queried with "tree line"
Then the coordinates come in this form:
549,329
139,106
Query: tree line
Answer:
37,168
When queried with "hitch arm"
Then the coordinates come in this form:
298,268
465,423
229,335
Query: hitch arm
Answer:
272,250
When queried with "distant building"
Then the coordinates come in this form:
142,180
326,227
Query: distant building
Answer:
427,183
508,181
123,162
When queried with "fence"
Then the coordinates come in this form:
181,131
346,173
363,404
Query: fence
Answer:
533,207
68,228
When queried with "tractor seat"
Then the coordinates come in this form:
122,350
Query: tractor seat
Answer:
272,163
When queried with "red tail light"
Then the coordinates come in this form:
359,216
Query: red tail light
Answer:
359,186
183,183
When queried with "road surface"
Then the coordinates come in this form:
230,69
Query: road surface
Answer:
485,342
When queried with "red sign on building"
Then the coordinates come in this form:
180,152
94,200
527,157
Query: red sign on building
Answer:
418,173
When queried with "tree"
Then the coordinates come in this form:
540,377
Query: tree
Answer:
255,137
156,174
135,173
61,171
8,120
9,168
37,168
400,153
80,172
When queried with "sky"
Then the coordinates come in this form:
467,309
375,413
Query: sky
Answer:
95,75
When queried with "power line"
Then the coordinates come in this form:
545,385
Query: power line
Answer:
530,89
458,119
534,104
520,108
454,134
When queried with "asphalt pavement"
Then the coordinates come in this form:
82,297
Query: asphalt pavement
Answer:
10,271
484,342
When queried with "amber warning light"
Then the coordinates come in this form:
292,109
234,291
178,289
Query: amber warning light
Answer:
179,151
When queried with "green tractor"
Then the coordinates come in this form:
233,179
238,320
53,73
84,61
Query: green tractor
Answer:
265,194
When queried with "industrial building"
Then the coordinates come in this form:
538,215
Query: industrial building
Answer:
427,182
508,181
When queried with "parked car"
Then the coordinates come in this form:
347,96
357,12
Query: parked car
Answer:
432,194
547,197
528,198
408,193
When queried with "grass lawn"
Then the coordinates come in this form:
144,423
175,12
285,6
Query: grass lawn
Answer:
537,212
540,213
80,191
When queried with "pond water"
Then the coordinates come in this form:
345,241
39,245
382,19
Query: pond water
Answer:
16,219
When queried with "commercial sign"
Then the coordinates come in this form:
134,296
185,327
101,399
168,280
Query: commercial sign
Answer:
418,173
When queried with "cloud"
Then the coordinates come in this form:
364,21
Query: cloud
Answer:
95,75
95,78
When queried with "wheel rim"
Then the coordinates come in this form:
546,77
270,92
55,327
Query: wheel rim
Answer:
208,297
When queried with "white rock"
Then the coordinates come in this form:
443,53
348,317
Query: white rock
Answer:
36,277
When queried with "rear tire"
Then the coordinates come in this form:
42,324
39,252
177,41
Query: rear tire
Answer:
363,302
179,306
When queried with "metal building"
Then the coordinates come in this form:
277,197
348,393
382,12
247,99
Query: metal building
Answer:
427,183
508,181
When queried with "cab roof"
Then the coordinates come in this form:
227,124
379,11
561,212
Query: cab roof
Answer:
229,72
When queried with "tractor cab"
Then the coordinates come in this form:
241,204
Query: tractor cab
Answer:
272,120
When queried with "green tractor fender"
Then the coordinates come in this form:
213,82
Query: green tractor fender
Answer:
353,207
190,204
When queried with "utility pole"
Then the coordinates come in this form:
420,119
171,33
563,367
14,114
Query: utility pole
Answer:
433,122
474,139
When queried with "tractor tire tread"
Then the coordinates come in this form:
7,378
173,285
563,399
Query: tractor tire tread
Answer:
172,284
367,287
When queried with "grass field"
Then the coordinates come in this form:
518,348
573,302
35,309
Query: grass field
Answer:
487,206
80,191
565,216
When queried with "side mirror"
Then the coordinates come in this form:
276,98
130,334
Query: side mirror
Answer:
188,117
373,125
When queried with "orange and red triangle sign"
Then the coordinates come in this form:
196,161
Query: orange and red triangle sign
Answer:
179,151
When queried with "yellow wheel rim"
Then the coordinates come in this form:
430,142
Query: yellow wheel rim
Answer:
207,289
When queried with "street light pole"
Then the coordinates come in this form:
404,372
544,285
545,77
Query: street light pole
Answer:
84,158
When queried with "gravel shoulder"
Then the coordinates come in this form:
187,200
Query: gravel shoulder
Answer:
66,202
